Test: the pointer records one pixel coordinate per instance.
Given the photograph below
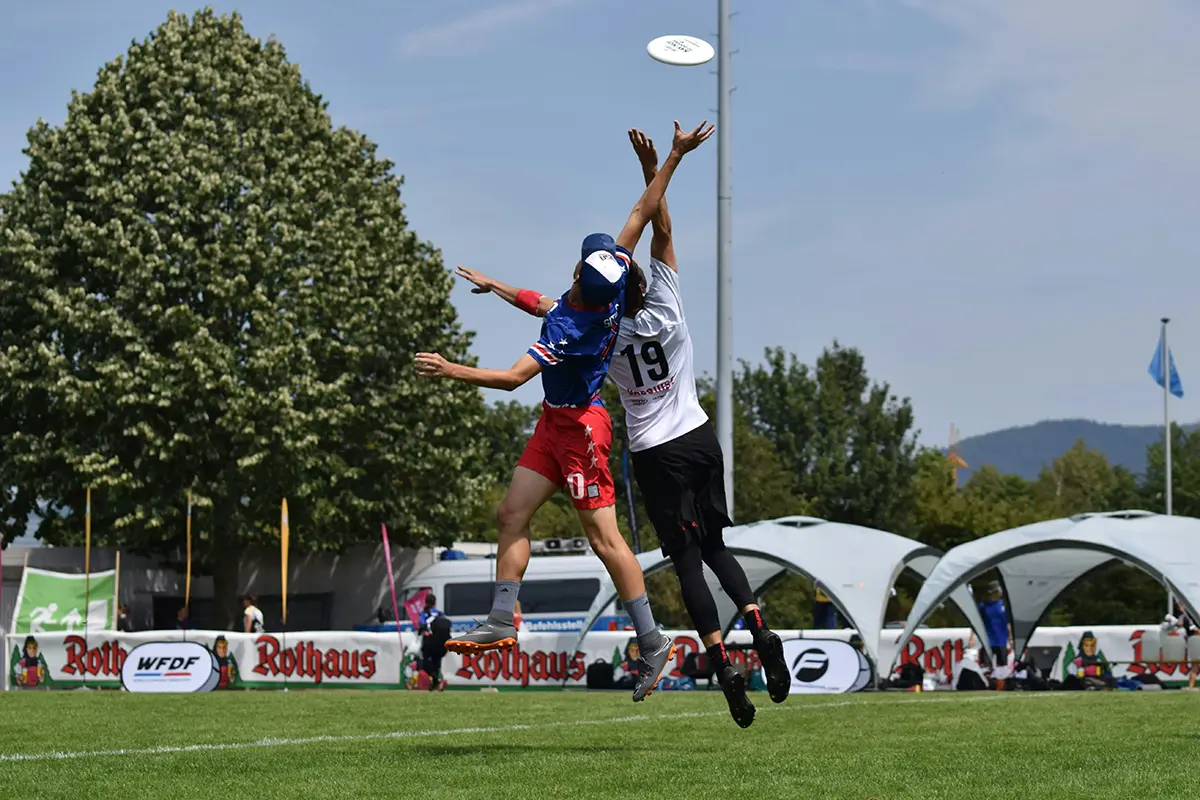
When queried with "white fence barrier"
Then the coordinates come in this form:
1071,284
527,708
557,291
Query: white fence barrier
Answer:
348,659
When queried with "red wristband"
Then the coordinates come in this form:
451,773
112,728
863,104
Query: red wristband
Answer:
527,301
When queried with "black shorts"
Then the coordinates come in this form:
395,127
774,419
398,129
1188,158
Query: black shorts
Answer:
683,488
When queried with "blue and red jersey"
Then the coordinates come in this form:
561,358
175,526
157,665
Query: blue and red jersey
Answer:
575,349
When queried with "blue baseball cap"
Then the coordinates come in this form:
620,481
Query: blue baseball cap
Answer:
602,270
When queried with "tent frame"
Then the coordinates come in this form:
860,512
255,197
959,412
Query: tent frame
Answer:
746,544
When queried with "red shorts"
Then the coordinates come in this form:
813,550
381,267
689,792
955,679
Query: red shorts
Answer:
570,447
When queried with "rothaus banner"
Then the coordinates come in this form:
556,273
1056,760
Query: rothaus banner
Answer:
338,659
349,659
1081,650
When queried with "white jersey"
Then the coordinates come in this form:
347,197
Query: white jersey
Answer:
256,618
654,368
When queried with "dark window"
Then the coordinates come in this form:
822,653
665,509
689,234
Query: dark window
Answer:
558,597
537,597
306,612
467,600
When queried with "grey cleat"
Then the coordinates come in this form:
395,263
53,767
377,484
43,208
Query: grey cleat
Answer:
652,663
487,635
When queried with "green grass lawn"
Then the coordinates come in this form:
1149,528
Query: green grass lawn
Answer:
329,744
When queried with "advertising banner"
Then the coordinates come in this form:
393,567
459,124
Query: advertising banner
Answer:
825,666
52,602
352,659
170,667
1080,650
337,659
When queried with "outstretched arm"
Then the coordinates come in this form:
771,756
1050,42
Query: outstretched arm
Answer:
527,300
661,247
647,205
432,365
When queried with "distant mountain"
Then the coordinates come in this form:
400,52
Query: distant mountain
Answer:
1026,450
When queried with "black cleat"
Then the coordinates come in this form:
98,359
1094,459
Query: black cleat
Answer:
734,687
770,653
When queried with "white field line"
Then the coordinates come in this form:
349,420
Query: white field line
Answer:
62,755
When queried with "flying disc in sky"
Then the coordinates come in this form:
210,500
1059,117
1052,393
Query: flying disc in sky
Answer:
681,51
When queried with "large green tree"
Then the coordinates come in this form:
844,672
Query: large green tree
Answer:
848,441
206,286
1185,474
1081,481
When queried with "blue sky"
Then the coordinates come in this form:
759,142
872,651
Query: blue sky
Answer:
993,199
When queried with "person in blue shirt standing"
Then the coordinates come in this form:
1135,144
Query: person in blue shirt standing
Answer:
995,623
434,628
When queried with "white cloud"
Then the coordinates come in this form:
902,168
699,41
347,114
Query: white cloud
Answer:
464,34
1025,280
1088,78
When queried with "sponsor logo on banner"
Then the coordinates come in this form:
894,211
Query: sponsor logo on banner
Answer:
1159,669
305,660
686,645
825,666
104,659
522,667
934,656
170,667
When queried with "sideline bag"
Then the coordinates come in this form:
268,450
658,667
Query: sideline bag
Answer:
600,675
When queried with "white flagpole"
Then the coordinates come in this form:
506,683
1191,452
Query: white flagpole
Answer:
1166,374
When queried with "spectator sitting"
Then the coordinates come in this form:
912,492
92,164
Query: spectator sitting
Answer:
124,624
183,620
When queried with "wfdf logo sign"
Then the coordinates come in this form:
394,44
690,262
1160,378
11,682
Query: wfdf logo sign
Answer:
170,667
825,666
811,665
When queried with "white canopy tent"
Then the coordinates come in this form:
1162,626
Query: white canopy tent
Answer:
1039,561
855,566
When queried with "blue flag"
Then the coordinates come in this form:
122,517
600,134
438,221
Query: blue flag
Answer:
1156,369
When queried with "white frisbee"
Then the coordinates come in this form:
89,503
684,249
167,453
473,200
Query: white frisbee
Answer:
681,51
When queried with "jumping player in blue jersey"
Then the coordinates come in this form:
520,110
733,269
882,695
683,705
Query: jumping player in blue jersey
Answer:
570,445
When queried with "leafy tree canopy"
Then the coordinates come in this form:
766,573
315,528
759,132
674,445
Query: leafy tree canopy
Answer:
206,286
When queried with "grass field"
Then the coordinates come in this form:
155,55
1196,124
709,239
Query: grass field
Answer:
324,744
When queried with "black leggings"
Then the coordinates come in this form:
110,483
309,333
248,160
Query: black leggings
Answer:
689,567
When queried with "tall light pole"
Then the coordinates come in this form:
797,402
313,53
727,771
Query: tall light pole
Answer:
724,250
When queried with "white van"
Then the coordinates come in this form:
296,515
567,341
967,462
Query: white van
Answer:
556,593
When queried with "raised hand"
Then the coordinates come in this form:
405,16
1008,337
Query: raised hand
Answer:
687,142
483,284
644,147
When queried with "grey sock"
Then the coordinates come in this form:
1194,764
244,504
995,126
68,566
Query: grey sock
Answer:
639,611
504,601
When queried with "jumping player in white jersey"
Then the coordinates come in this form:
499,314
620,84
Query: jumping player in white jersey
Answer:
570,444
677,460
